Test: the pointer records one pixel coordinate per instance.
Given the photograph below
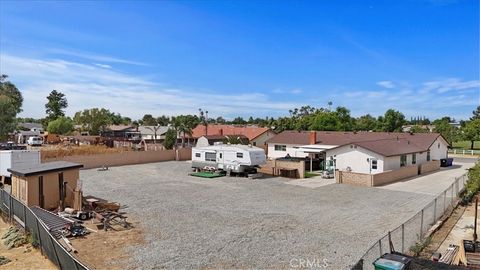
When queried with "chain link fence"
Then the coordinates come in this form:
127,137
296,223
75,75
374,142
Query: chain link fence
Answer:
49,246
414,230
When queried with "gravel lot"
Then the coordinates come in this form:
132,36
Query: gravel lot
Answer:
192,222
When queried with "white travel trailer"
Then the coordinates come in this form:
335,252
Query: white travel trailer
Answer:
230,158
16,158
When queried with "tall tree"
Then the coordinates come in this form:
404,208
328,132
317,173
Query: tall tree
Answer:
471,132
393,121
93,120
444,127
11,101
170,139
56,104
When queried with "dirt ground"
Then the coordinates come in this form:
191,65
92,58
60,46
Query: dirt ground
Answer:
107,249
23,258
457,227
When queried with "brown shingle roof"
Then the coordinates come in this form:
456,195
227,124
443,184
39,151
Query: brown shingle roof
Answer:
385,143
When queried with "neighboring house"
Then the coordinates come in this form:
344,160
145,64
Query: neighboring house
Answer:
23,136
408,128
148,132
359,152
257,136
212,139
121,132
31,127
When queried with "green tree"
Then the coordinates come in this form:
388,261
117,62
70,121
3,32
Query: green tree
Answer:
56,104
170,139
163,120
149,120
365,123
93,120
220,120
327,121
11,101
471,132
184,124
345,122
393,121
239,121
444,127
418,129
476,114
62,125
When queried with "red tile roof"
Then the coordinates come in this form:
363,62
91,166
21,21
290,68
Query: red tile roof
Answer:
251,132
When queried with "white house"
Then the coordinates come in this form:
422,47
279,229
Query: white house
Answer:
153,132
360,152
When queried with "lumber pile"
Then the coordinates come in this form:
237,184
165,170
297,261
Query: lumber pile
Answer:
450,254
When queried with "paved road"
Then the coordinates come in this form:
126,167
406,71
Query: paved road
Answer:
192,222
432,183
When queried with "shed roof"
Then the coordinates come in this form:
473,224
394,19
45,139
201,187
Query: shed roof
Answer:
33,169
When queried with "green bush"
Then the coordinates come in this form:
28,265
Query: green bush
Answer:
473,183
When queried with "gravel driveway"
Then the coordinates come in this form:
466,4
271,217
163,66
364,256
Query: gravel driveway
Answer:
192,222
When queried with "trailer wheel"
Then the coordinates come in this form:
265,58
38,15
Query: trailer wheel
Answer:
83,216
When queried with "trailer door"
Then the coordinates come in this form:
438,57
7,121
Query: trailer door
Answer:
220,158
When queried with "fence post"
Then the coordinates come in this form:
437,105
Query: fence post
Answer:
435,211
444,200
10,207
380,246
38,236
24,217
403,237
421,227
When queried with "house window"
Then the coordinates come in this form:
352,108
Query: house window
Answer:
280,147
254,143
240,155
438,145
198,155
210,156
374,164
414,158
403,160
428,155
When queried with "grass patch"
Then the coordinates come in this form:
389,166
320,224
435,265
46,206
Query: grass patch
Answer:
311,174
419,246
466,145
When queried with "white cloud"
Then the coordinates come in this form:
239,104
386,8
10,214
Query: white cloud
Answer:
102,65
88,86
294,91
386,84
432,98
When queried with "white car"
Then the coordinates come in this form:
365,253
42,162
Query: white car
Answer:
35,141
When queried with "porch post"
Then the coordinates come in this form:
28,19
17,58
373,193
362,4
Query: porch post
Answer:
311,163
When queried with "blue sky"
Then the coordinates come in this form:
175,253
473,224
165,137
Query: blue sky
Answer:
258,58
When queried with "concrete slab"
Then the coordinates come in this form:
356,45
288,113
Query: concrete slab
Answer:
313,182
433,183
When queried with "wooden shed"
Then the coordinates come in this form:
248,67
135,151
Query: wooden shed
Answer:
48,185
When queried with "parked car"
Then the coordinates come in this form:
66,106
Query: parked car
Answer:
11,146
35,141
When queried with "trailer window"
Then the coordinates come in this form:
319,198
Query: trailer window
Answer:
240,155
198,155
210,156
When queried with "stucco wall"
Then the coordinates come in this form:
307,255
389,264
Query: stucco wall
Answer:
126,158
438,149
430,166
355,158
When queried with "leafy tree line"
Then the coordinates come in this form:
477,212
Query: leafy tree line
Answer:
96,120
